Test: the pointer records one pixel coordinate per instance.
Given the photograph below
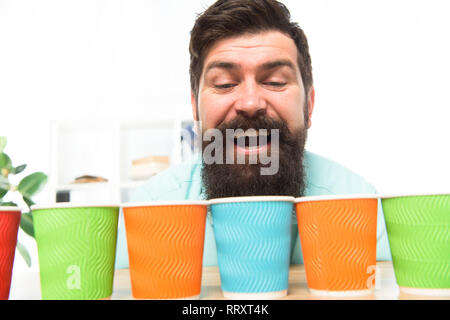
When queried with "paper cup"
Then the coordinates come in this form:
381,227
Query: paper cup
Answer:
9,226
338,240
418,228
165,248
253,237
76,249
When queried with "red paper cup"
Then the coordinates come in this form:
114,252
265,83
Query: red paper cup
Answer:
9,226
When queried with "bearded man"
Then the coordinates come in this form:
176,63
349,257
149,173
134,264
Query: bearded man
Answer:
252,95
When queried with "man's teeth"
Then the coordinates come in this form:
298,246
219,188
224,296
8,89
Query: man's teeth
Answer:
251,133
252,138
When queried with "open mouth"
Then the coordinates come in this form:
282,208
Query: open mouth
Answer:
252,140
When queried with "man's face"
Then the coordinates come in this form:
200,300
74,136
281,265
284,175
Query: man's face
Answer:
254,82
251,74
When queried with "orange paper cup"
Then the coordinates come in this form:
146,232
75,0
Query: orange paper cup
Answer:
338,239
165,248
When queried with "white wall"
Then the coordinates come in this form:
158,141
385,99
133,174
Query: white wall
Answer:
381,70
381,73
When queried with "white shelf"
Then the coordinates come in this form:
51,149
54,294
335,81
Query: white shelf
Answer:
106,147
132,184
84,186
95,185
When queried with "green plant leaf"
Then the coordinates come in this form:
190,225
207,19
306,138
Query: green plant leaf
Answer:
3,192
28,201
32,184
24,253
7,204
5,162
26,223
2,143
18,169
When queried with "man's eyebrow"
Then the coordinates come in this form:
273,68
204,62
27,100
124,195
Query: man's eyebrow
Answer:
221,65
278,63
265,66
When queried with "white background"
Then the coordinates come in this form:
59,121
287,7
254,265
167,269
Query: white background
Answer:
381,72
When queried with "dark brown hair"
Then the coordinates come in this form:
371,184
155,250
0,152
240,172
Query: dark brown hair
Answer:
228,18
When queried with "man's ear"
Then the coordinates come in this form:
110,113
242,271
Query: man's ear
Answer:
194,107
311,99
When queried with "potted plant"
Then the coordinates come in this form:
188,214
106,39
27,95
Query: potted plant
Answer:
11,215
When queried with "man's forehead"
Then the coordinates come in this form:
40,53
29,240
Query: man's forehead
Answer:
258,49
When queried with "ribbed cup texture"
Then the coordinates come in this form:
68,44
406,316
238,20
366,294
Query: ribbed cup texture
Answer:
165,250
419,237
76,248
9,226
253,245
338,239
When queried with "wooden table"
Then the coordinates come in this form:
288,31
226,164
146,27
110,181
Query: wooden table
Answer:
26,286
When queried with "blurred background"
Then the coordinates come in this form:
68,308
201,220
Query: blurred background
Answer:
98,91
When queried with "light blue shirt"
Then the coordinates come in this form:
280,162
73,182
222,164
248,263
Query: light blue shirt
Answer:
183,182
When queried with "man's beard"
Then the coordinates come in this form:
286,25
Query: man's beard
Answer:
237,180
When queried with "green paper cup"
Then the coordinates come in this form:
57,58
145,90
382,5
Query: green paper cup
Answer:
76,249
418,228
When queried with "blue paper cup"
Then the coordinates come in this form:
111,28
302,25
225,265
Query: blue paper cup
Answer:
253,236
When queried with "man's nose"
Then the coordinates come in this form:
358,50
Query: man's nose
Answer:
250,101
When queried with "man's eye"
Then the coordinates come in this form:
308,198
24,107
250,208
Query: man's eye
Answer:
275,84
225,86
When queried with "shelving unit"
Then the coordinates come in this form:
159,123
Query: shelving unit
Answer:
106,148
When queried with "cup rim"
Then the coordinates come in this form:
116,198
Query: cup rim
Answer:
67,205
10,209
413,194
160,203
337,197
252,199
